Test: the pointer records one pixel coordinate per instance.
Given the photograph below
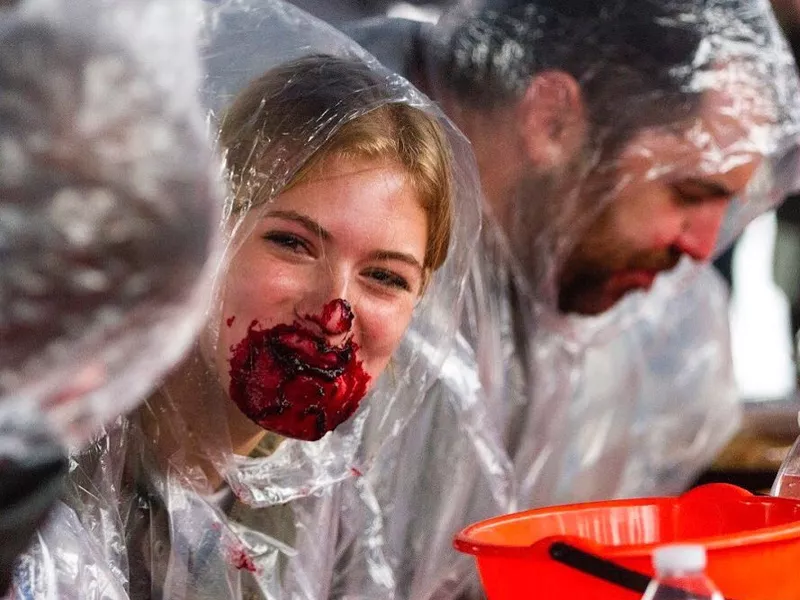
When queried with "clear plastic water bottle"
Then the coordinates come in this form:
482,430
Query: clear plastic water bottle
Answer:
680,575
787,483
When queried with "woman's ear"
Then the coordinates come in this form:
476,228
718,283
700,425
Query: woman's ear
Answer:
552,119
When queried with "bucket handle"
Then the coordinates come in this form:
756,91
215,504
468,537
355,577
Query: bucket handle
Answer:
602,568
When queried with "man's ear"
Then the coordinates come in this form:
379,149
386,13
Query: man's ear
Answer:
552,118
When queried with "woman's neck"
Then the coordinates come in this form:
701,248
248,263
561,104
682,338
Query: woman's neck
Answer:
245,435
194,425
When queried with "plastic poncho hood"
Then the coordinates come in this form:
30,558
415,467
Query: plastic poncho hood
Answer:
107,211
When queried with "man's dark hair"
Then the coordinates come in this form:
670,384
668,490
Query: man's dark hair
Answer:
632,58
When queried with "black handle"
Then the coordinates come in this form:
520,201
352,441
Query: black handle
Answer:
607,570
599,567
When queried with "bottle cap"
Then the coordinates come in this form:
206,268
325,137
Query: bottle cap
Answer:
680,557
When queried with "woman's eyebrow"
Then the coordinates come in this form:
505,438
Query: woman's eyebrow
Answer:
393,255
308,223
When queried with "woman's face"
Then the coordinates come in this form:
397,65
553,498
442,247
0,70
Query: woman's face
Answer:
349,239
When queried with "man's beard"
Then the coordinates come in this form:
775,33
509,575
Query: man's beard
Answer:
597,282
601,268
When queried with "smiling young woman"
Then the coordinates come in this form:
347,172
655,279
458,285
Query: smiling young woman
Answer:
357,230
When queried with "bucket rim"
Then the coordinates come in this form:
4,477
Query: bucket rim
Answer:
464,542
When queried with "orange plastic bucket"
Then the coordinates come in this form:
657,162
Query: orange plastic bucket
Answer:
603,550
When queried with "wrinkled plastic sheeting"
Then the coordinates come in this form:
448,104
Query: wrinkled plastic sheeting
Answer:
109,202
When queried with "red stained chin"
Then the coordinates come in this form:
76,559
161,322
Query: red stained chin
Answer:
290,381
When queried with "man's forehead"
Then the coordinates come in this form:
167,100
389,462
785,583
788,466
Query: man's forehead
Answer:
737,108
723,158
733,127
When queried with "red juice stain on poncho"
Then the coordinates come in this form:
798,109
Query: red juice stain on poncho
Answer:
241,560
289,380
230,321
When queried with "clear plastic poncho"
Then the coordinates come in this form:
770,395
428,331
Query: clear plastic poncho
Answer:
108,205
537,407
178,501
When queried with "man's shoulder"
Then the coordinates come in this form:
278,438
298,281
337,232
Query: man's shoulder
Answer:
394,42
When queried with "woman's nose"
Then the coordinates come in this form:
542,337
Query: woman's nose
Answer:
327,310
334,320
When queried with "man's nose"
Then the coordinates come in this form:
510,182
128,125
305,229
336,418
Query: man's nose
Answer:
701,227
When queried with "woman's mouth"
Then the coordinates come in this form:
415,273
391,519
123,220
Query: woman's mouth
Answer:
289,380
301,350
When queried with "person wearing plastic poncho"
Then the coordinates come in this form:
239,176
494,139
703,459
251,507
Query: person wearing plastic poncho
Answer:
235,481
107,209
615,140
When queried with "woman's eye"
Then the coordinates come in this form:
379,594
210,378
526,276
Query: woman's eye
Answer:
288,241
389,279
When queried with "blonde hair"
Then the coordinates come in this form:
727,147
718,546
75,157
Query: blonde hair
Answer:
320,107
